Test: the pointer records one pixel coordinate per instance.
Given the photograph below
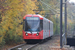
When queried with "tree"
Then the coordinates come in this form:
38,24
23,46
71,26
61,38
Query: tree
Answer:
12,13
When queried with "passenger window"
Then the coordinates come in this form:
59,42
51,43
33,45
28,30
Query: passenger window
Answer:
41,25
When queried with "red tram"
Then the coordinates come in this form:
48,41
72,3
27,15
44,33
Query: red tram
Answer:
36,28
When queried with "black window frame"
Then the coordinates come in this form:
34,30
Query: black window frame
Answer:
41,25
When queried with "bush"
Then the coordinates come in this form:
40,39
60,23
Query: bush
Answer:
18,39
2,43
10,38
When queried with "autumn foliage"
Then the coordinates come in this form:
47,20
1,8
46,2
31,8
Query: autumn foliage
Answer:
11,15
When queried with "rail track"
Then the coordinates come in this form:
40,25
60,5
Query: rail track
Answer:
52,44
23,47
27,46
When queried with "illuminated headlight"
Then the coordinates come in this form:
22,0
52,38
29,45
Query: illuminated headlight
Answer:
26,34
37,34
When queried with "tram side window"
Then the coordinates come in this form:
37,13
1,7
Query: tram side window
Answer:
45,25
49,25
41,25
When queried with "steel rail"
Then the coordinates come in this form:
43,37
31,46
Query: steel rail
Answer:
16,46
32,46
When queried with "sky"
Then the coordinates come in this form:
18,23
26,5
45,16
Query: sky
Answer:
72,1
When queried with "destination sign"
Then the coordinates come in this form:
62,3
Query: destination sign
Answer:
32,18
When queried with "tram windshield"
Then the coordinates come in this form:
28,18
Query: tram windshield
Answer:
32,24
